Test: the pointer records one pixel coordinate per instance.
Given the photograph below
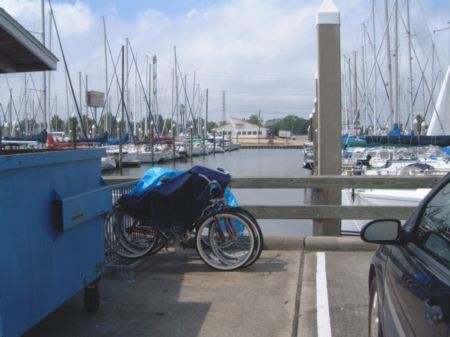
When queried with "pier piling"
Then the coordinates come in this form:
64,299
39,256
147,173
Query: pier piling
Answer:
329,110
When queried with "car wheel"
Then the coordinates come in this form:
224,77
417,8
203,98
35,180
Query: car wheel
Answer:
374,318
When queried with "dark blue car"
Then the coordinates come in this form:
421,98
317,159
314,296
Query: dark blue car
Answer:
409,278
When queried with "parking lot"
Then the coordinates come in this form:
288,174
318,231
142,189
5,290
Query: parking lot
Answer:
286,293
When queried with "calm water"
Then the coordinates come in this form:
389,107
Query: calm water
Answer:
255,163
242,163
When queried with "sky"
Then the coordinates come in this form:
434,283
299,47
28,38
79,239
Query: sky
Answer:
262,54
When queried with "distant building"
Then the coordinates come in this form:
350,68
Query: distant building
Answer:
238,128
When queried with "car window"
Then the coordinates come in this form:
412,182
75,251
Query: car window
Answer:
433,233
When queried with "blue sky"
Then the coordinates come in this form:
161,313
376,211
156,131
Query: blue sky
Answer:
128,9
262,53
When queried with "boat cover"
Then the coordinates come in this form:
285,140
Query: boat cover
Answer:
172,198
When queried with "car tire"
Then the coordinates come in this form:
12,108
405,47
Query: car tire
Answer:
374,311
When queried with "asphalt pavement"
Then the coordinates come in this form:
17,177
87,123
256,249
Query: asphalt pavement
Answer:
286,293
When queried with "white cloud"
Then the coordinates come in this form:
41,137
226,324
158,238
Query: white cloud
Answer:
191,13
263,53
76,19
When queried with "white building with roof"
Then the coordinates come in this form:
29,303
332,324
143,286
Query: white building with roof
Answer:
238,129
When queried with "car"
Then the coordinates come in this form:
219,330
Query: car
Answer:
409,275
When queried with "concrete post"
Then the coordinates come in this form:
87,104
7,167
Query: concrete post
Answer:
329,109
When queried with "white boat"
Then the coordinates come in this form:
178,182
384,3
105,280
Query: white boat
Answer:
108,163
145,154
378,197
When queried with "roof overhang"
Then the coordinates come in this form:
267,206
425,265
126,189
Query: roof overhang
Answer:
19,50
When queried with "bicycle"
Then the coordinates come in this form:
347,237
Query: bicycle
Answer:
226,238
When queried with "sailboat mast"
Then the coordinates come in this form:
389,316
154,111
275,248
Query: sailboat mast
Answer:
147,90
44,73
49,109
350,95
106,118
364,95
155,96
176,90
397,70
375,67
388,51
411,97
26,106
135,117
355,84
127,89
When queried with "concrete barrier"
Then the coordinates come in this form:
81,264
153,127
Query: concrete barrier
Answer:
318,243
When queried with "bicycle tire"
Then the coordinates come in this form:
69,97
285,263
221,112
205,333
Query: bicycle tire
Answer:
111,239
259,239
225,250
135,239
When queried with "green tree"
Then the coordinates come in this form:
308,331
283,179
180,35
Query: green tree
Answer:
420,119
211,125
297,125
112,124
255,119
57,124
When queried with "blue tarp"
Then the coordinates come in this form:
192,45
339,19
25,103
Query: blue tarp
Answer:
173,198
115,141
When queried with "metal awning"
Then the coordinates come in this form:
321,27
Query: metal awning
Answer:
19,50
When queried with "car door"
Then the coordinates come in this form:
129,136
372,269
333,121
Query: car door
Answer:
417,282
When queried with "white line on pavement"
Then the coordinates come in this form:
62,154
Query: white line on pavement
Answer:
323,314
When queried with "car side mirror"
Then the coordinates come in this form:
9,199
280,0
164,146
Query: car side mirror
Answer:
384,231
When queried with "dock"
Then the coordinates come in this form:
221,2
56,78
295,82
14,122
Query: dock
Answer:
175,294
271,146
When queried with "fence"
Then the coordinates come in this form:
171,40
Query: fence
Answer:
318,184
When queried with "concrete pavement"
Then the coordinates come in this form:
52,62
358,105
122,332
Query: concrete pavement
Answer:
175,294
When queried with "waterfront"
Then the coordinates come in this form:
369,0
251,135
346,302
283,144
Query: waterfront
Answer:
255,163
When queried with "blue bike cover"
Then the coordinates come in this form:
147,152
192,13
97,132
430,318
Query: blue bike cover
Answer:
172,199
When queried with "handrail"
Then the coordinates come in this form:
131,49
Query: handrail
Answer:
326,182
374,182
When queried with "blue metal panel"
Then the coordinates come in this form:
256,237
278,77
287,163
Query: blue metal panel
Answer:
44,266
1,310
78,209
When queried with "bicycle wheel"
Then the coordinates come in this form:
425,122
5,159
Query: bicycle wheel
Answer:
109,234
112,242
259,240
136,239
225,241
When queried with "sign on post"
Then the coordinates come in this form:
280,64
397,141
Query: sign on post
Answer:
95,99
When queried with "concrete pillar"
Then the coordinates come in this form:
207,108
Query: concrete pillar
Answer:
328,109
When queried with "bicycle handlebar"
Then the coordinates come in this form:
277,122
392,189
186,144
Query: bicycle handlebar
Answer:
212,182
